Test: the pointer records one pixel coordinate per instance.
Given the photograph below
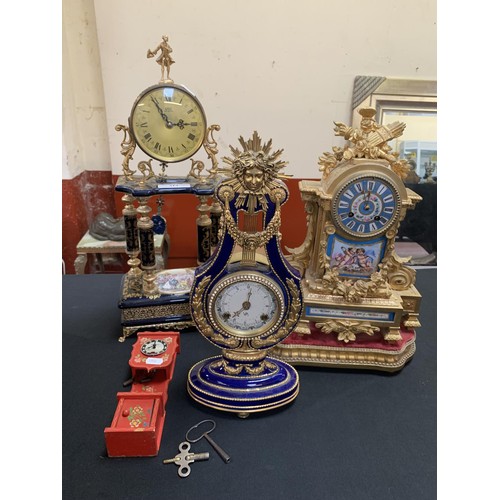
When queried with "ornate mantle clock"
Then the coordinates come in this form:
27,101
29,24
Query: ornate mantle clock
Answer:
361,307
168,123
247,298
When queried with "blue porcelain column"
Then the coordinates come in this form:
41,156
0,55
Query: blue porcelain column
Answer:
131,237
215,215
146,238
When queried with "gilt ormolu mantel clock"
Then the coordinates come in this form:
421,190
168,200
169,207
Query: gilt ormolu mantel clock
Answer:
247,298
360,303
168,123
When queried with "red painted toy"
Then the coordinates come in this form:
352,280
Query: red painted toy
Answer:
137,426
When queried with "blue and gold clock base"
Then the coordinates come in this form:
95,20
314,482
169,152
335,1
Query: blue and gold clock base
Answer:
243,388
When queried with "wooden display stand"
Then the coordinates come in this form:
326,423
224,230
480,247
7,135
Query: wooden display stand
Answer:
137,425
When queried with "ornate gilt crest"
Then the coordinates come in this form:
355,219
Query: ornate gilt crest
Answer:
356,290
369,141
255,170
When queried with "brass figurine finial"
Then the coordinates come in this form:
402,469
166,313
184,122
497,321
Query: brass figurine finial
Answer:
164,59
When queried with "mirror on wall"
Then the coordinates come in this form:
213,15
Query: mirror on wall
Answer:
413,102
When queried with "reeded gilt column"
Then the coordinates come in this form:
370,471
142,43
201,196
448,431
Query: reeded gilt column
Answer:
204,224
250,221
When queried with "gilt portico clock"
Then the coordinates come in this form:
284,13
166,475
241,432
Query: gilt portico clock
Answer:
167,123
247,298
361,307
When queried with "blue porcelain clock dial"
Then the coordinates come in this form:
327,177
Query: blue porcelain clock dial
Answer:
366,206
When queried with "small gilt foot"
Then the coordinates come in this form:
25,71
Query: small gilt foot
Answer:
127,332
392,335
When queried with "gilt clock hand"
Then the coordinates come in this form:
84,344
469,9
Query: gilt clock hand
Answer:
164,116
366,199
237,313
180,124
245,306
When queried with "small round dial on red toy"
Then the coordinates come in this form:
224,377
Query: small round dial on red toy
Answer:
153,347
366,206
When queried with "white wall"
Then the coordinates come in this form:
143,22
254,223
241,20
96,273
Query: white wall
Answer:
283,68
85,133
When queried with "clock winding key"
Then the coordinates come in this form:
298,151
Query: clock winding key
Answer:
225,457
183,459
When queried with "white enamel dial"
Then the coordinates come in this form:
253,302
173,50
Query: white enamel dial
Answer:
247,305
153,347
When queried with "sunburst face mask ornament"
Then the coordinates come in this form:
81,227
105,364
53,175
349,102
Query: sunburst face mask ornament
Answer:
245,303
255,171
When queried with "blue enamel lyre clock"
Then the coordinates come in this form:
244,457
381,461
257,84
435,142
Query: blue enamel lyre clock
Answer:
247,297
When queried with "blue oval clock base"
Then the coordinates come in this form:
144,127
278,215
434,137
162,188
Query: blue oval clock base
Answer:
211,382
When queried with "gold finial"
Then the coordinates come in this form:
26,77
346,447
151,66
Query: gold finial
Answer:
164,59
368,112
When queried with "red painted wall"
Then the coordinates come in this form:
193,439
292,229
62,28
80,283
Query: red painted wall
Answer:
93,192
83,198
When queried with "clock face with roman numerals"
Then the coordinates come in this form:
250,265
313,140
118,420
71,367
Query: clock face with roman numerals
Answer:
366,206
168,123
